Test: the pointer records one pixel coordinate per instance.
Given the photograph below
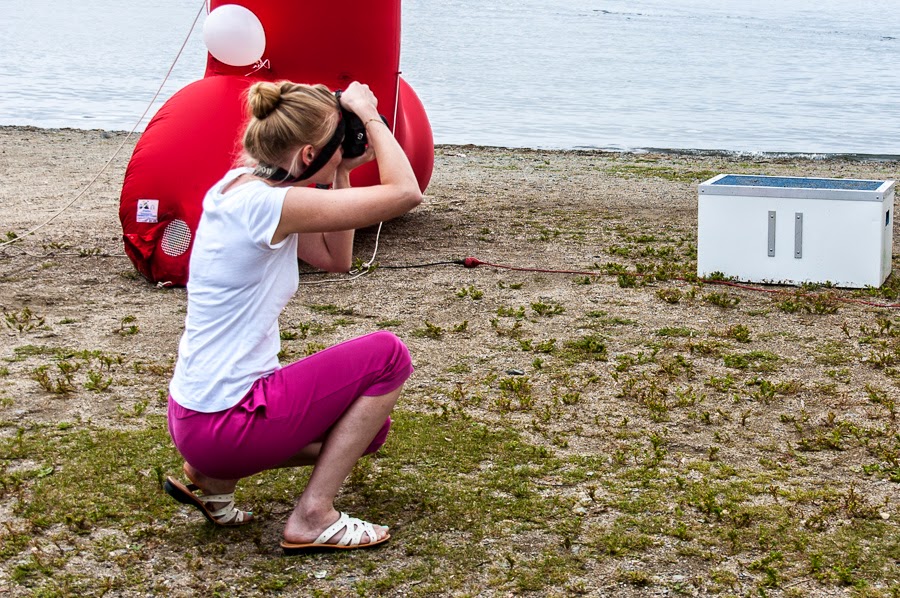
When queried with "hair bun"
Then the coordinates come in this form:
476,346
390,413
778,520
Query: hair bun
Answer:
264,97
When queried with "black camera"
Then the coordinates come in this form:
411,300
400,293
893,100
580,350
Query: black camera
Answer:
355,138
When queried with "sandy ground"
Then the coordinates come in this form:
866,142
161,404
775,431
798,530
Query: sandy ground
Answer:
533,209
523,208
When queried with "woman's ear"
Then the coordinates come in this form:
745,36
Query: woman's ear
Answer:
307,154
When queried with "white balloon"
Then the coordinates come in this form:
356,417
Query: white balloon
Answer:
234,35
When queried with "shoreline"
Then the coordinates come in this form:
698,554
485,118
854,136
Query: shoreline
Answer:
698,152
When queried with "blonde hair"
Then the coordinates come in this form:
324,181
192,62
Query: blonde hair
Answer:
285,116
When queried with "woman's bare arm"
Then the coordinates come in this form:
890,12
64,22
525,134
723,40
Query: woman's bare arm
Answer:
341,209
332,252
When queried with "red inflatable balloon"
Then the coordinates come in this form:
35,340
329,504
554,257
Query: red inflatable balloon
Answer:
195,137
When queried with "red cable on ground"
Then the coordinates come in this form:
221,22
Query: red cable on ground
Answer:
472,262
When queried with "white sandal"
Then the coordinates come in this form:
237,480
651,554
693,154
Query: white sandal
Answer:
355,528
227,516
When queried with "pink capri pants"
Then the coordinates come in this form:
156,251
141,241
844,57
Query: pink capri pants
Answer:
291,408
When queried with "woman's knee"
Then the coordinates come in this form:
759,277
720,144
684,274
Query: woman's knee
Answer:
393,349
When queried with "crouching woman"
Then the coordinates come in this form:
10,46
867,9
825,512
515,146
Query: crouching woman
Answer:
234,411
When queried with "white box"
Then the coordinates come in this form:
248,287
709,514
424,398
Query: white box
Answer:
792,230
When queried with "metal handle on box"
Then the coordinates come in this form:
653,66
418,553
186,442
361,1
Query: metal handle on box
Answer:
771,233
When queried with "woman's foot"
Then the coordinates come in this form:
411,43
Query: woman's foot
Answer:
331,530
216,501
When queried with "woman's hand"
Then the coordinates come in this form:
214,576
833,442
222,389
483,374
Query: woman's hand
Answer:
342,174
360,100
349,164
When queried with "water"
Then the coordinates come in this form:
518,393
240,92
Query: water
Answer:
93,64
796,76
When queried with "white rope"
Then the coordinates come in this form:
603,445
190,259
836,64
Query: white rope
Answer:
368,265
332,280
124,141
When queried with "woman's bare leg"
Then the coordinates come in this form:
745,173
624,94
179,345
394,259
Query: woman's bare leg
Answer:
343,447
308,456
213,486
